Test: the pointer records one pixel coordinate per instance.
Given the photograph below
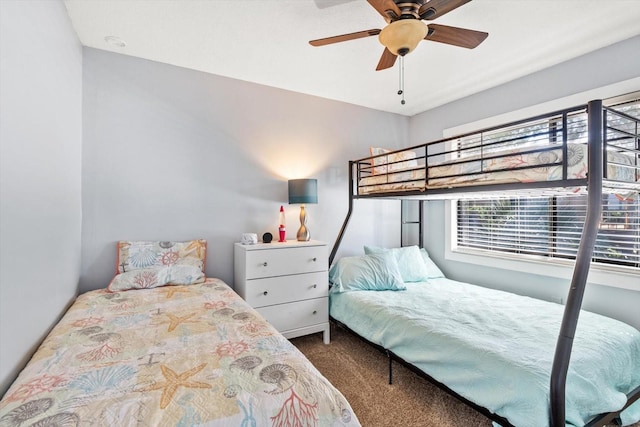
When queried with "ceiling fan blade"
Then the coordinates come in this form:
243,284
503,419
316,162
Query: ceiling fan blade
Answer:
344,37
436,8
382,6
386,60
455,36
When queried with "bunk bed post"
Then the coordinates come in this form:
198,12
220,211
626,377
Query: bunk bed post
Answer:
421,224
336,245
581,269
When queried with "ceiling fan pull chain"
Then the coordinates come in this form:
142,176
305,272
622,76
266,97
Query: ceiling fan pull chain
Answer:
401,80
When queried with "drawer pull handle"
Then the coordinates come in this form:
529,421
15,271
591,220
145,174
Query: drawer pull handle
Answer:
315,311
314,259
265,293
315,286
264,264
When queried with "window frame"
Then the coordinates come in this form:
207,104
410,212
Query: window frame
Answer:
602,274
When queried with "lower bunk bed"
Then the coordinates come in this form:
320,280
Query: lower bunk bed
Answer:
191,352
489,347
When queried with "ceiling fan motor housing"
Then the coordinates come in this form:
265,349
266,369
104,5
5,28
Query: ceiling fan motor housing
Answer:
409,9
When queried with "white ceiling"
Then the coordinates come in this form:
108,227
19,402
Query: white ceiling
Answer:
266,42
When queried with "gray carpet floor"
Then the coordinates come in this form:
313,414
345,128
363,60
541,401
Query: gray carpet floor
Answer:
360,372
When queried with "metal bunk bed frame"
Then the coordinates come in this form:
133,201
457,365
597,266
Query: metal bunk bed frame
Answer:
597,161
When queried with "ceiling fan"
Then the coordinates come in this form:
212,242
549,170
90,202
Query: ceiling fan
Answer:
405,28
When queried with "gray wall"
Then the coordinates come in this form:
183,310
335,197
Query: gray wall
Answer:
170,153
617,63
40,155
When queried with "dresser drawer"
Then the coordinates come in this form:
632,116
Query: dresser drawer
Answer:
280,262
295,315
277,290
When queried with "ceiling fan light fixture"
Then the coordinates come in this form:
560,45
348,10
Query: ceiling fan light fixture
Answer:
402,36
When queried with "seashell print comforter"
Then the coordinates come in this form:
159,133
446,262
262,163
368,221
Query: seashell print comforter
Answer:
170,356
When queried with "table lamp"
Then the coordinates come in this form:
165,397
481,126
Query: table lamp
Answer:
303,191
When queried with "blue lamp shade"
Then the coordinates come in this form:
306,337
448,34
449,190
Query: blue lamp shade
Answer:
303,191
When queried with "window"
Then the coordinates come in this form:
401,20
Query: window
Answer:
551,227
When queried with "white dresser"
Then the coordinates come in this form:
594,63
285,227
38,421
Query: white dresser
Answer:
287,283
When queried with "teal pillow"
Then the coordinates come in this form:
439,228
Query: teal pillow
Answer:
376,272
432,268
410,262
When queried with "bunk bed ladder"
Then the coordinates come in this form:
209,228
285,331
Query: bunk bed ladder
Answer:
407,211
581,269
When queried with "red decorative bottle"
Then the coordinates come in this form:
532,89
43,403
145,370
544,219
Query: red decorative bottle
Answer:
281,229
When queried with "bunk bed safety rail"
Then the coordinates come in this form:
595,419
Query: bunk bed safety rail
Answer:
548,150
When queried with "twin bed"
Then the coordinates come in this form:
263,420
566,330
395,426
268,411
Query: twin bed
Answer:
163,346
518,360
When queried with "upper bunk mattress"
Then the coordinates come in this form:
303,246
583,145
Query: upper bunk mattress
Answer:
170,356
496,348
501,167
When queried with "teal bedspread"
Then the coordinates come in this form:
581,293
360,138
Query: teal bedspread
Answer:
496,348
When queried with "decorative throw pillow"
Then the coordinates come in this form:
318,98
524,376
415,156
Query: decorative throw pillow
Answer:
405,158
376,272
138,255
156,276
410,262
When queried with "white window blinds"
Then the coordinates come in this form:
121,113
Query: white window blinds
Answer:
550,227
